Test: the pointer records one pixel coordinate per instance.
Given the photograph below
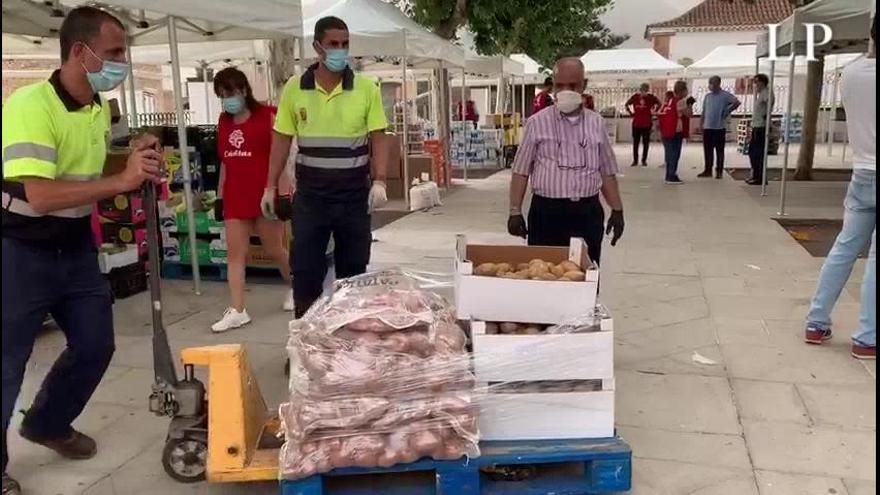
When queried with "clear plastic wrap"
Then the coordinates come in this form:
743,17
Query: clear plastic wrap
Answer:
380,375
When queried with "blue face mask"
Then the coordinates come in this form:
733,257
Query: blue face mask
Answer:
111,74
233,105
336,59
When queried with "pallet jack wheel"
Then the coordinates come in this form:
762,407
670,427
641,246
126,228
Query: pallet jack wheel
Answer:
185,459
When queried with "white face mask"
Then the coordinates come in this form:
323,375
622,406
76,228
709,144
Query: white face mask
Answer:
568,101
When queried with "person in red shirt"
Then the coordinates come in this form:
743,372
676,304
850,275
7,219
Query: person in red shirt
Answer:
470,112
544,98
674,118
641,106
244,137
588,101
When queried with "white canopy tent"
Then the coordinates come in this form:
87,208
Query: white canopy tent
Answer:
846,18
849,21
150,22
532,70
739,60
199,20
629,63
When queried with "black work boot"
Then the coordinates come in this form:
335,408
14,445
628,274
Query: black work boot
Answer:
10,486
76,445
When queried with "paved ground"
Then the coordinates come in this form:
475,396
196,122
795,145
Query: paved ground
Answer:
702,269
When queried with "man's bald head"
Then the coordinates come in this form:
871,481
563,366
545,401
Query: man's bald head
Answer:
568,74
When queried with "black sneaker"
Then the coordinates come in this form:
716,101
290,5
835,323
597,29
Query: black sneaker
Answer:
634,164
10,486
674,182
719,174
644,164
706,174
76,446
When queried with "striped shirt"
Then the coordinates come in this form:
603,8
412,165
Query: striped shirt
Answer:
565,157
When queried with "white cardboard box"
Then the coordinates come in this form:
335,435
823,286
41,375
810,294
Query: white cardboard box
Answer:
547,416
533,301
573,356
107,261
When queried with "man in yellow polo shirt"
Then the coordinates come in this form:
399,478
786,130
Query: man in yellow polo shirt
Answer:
339,122
55,135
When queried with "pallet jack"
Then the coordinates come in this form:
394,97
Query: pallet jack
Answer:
223,432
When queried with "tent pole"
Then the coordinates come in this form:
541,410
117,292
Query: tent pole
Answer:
523,100
207,92
830,137
781,212
406,184
463,107
768,127
131,88
123,100
184,153
616,109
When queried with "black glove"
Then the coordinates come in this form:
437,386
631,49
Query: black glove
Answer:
615,224
218,209
283,207
516,226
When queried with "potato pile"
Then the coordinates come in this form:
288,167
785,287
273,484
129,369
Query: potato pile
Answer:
380,375
536,269
509,328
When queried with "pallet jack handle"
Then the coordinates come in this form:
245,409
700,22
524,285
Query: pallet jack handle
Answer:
163,361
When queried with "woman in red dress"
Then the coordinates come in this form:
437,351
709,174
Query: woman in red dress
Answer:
244,137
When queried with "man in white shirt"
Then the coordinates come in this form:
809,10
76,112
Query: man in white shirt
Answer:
859,94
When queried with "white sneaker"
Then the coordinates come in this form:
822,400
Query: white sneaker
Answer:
288,301
231,319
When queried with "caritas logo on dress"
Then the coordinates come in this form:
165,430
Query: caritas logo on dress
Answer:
236,139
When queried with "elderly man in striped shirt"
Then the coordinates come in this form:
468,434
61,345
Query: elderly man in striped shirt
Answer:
568,160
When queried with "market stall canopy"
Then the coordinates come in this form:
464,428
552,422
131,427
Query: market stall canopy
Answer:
739,61
380,31
533,72
487,65
199,20
214,54
849,21
629,63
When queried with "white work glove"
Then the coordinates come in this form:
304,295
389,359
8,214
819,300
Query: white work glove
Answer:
267,203
378,196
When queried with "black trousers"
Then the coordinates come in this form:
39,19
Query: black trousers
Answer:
713,148
66,283
313,221
553,222
756,152
643,135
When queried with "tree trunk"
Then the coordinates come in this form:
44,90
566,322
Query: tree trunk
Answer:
812,100
282,62
448,28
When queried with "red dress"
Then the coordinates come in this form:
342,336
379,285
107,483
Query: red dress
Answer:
244,151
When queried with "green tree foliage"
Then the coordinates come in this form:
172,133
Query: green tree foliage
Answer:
545,30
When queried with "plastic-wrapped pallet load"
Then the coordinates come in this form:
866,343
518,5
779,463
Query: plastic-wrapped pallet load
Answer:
380,376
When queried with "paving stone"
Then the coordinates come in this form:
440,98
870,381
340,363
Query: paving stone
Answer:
773,483
850,406
769,401
696,448
658,477
817,450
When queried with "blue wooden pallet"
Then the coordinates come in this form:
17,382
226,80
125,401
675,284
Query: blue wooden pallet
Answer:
564,467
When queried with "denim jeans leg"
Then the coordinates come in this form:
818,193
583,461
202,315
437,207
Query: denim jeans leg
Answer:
867,332
859,222
669,157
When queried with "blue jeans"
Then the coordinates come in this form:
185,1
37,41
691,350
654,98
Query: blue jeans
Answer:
672,154
859,229
66,283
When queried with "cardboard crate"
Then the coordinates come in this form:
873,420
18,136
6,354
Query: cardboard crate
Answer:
123,208
547,415
572,356
534,301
